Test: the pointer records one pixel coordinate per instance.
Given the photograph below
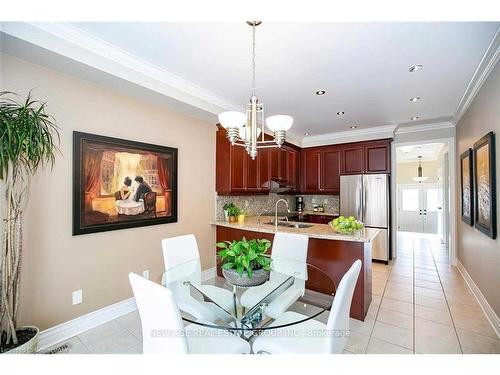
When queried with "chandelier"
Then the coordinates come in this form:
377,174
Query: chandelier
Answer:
420,177
244,129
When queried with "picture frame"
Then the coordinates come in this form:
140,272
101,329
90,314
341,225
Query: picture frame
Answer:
119,184
485,218
467,187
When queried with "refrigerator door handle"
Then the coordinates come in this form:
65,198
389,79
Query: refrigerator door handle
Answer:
359,203
364,201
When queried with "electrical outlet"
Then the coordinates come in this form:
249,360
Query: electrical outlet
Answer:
77,297
145,274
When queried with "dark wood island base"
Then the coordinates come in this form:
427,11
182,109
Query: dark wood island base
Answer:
334,257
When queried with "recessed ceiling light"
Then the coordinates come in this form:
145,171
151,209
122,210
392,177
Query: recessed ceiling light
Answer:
340,113
414,118
306,134
354,127
320,92
416,68
415,99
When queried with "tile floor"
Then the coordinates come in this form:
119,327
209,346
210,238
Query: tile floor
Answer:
420,304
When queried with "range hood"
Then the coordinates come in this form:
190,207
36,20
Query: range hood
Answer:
278,187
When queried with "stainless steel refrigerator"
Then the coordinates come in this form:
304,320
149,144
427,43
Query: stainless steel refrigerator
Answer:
366,197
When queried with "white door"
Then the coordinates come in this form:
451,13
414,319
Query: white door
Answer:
418,208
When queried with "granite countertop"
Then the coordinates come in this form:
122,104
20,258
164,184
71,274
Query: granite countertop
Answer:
320,231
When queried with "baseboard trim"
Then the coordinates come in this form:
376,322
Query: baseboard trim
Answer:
85,322
88,321
485,306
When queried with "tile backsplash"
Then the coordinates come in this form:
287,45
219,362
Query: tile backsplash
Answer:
253,205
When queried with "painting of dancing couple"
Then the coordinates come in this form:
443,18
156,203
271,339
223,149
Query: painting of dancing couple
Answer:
120,184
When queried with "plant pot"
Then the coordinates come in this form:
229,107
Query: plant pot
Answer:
226,216
258,277
232,219
241,219
28,347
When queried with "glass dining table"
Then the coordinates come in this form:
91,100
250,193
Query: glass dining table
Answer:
217,303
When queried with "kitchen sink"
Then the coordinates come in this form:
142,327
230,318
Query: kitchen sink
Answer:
290,225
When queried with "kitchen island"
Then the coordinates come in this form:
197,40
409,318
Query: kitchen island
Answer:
331,252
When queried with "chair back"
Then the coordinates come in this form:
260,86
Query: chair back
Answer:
150,201
180,252
338,320
289,254
290,245
162,327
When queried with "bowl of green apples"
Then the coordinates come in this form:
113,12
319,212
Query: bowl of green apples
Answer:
346,225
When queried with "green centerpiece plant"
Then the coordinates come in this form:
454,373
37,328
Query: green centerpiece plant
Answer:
244,262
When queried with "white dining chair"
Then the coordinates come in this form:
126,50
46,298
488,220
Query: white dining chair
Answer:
182,262
289,254
312,336
163,330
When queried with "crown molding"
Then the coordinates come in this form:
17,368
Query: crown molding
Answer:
379,132
488,62
69,41
424,127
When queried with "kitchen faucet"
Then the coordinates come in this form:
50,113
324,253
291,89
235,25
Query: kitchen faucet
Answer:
276,212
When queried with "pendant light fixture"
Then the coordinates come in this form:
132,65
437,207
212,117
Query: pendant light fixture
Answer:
420,175
244,130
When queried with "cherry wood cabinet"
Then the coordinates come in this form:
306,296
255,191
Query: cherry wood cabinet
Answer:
314,170
238,174
279,164
311,171
330,182
318,219
321,170
366,157
293,174
378,157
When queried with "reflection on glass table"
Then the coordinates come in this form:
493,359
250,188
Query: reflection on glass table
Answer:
292,286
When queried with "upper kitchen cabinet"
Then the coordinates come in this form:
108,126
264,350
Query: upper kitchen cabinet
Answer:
321,170
366,157
311,170
353,159
293,164
378,157
279,164
236,172
330,182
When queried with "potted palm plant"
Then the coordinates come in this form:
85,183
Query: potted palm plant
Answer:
29,140
244,262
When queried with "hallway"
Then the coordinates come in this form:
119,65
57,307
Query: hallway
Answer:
422,305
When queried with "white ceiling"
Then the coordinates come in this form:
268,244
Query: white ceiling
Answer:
362,66
429,152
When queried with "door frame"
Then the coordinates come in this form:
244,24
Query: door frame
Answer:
450,214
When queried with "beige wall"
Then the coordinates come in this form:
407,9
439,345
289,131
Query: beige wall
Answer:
477,252
406,172
55,262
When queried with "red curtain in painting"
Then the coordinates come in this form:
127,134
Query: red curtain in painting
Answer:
164,173
91,174
164,170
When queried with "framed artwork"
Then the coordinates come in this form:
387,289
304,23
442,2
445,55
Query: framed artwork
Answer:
485,185
467,187
120,184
